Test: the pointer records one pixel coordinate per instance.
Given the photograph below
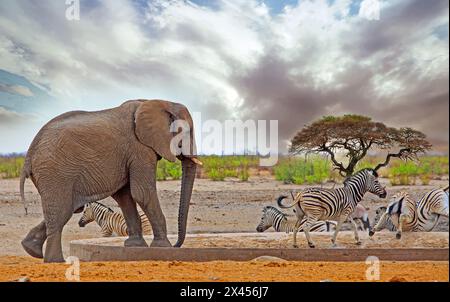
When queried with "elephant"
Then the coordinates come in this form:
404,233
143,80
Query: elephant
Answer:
81,157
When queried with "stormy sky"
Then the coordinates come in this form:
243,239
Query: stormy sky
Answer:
291,61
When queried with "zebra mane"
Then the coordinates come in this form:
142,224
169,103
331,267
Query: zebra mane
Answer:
103,206
273,209
368,170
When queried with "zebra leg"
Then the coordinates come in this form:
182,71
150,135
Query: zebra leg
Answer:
306,228
355,231
300,216
132,219
401,221
338,228
380,224
295,236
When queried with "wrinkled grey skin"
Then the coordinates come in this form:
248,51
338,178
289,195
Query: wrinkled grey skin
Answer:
80,157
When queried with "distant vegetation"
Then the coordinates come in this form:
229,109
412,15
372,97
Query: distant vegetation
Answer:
11,166
297,170
411,173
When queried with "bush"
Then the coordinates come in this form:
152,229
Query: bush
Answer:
244,173
216,174
11,167
168,170
298,171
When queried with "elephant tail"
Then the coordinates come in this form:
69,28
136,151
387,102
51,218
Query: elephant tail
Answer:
26,172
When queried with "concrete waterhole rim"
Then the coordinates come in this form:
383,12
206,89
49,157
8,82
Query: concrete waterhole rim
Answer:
108,249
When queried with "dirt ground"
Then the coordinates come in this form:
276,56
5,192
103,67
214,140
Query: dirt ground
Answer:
12,268
229,206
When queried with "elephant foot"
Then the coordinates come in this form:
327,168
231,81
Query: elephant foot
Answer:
33,247
135,242
161,242
59,259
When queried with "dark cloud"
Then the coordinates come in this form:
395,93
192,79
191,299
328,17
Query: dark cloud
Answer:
421,101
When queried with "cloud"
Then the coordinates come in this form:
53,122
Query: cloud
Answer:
16,89
238,58
8,117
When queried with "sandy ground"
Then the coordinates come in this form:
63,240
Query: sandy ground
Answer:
229,206
13,267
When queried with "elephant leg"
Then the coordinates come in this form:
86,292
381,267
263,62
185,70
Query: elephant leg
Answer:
35,239
56,216
143,191
131,215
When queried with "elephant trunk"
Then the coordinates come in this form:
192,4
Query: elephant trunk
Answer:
187,183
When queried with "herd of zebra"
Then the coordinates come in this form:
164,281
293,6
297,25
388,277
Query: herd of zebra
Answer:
320,210
325,210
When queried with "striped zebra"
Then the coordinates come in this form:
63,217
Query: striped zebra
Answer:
110,221
319,204
272,217
408,215
387,224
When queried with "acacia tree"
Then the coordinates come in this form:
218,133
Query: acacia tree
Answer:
354,136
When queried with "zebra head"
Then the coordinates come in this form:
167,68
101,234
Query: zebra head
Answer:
88,216
378,213
269,213
373,185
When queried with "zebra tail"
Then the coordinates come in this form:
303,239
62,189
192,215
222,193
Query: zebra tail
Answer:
445,189
281,205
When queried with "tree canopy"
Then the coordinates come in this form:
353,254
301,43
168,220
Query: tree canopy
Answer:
355,135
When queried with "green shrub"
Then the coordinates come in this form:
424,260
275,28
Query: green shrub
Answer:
244,173
298,171
216,174
11,167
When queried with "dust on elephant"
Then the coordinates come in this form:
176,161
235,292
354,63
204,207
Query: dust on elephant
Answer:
80,157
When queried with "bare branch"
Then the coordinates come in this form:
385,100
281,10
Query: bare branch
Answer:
339,165
403,153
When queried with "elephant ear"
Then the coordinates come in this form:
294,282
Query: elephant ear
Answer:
153,119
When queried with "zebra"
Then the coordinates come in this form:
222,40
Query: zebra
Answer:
387,223
272,217
334,204
361,217
407,215
110,221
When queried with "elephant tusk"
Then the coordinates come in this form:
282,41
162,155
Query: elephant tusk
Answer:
196,161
